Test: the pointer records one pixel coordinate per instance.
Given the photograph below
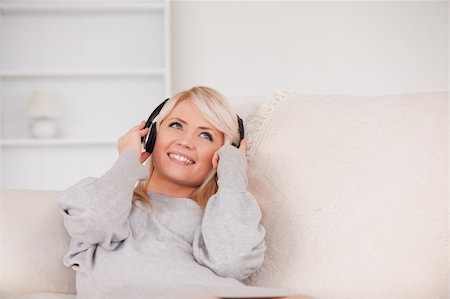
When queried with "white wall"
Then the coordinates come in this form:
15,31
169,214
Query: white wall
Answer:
241,48
251,48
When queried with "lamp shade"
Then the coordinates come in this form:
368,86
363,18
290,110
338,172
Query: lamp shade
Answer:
43,103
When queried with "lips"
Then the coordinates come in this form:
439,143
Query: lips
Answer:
181,158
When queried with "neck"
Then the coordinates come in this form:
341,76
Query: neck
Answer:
160,185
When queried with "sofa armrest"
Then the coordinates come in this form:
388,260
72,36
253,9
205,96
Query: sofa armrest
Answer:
33,241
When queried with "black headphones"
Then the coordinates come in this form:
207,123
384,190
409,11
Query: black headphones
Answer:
149,141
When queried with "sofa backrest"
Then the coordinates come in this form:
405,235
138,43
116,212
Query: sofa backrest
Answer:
33,241
354,192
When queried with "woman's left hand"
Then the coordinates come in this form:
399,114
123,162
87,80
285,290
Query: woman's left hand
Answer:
242,148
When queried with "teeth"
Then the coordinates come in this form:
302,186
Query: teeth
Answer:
181,158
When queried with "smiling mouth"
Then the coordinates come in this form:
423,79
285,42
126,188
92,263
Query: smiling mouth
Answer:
181,158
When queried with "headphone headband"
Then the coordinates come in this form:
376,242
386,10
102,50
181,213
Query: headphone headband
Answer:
155,113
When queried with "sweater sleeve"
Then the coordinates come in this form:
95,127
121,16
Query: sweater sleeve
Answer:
230,240
96,210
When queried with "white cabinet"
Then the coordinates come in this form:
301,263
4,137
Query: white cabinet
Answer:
109,64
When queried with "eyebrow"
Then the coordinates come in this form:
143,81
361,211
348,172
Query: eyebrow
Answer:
185,123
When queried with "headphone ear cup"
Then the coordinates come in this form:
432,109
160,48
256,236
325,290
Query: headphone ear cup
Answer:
241,131
151,139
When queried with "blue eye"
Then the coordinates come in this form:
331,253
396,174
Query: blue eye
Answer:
207,136
175,125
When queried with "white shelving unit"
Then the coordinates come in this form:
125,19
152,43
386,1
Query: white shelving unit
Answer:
109,61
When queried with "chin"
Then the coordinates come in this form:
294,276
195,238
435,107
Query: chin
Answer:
182,181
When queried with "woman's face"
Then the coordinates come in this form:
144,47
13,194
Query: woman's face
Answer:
185,145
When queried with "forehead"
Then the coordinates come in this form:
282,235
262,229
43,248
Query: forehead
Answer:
187,111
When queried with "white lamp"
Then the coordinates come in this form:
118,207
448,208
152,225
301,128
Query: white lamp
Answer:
43,109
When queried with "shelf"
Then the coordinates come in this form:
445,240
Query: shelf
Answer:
84,73
70,6
56,142
110,53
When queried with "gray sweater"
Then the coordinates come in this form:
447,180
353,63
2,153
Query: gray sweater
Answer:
119,244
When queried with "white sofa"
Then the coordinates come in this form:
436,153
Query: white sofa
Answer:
353,191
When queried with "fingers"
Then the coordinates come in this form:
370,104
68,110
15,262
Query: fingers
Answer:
138,127
133,139
243,147
143,132
215,160
144,156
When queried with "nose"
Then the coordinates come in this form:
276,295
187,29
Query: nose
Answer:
185,142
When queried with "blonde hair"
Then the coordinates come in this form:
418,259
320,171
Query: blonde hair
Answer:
216,109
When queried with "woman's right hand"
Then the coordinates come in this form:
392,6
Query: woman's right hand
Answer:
132,139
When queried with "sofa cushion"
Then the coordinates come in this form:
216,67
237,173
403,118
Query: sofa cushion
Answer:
354,194
33,241
37,296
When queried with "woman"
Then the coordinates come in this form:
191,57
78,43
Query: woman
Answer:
189,224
